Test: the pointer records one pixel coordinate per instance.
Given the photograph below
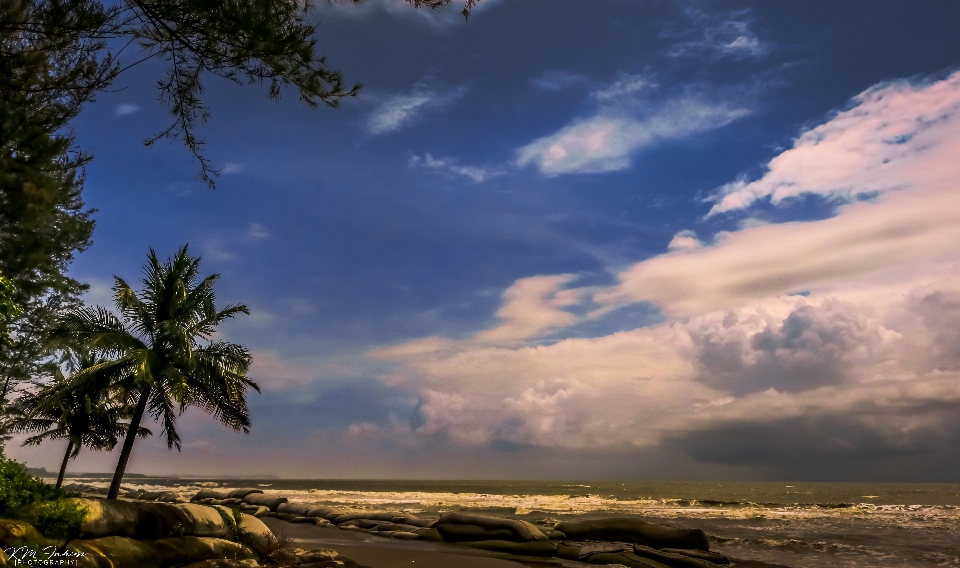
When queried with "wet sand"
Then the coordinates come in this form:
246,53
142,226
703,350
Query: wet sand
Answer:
380,552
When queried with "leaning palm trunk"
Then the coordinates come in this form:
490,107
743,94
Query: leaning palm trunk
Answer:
63,464
128,444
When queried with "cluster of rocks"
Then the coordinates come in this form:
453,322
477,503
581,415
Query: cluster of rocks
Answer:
120,534
629,542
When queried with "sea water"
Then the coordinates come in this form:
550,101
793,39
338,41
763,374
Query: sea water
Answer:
795,524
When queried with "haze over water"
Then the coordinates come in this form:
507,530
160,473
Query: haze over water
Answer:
796,524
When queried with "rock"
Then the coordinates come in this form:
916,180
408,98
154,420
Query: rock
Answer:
429,534
256,535
714,557
112,517
568,550
312,521
283,557
122,552
134,494
414,521
554,534
224,563
588,549
467,533
241,493
324,513
169,497
201,520
635,531
405,535
150,495
288,516
299,509
383,517
12,531
319,555
522,531
673,560
529,548
267,501
208,494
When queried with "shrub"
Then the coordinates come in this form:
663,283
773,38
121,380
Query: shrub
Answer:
58,519
19,489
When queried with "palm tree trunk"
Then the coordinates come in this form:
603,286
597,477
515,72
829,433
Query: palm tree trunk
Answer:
63,466
128,444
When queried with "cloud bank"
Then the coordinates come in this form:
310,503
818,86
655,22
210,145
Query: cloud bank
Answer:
832,340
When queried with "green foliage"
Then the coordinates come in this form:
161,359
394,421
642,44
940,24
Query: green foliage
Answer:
48,69
232,521
58,519
19,489
167,359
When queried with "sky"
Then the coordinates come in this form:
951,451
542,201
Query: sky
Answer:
569,239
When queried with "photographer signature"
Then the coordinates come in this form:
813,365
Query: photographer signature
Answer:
46,556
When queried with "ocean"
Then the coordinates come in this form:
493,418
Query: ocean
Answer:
795,524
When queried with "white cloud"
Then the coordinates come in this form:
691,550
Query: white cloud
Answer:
232,168
607,141
868,354
126,109
402,109
451,165
728,38
894,136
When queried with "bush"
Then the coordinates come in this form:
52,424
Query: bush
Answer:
58,519
19,489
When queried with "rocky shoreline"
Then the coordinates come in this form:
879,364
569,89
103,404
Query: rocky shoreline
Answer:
154,518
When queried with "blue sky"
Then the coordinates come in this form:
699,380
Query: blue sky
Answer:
571,239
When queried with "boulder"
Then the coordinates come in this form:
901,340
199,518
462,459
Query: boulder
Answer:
319,555
521,531
411,520
467,533
122,552
171,497
266,500
384,517
529,548
554,534
12,531
635,531
133,494
201,520
429,534
241,493
208,494
150,495
299,509
405,535
324,513
256,535
112,517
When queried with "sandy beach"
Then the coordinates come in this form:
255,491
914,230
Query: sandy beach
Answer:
379,552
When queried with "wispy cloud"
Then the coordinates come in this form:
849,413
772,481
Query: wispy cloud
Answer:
258,231
625,123
731,37
452,166
126,109
440,19
402,109
233,168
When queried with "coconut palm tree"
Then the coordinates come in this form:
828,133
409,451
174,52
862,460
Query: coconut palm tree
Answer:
164,352
66,410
